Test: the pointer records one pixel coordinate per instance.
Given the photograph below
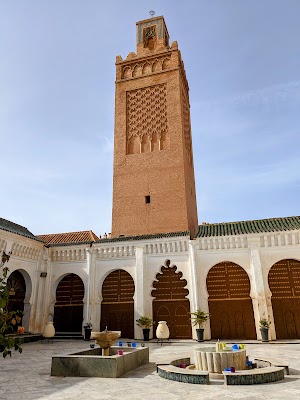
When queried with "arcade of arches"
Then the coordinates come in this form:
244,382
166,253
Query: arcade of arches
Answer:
229,301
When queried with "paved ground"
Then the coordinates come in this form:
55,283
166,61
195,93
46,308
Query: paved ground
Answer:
27,376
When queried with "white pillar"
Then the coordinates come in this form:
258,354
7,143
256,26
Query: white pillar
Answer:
139,296
203,295
200,295
193,257
260,293
95,301
89,260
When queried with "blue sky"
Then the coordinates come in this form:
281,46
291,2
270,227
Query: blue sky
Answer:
57,72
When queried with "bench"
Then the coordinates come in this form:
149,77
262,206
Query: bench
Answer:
272,362
254,376
177,374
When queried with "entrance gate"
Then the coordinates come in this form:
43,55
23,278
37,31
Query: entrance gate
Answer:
170,303
68,309
229,302
284,283
117,307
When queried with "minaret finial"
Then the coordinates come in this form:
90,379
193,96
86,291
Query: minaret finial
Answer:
151,13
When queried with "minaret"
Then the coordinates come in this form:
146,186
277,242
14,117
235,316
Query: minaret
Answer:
153,184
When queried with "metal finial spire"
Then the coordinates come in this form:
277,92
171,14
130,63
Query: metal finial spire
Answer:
151,13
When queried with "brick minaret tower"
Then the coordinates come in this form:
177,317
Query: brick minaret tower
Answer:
154,185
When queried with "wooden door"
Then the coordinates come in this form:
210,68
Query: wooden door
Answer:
68,309
17,289
117,307
284,283
170,303
229,302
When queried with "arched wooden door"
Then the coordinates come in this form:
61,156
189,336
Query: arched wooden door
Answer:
17,289
68,309
284,283
170,303
117,307
229,302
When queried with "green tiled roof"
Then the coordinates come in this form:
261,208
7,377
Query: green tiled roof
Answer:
247,227
9,226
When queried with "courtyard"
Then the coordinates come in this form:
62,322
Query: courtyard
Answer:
27,375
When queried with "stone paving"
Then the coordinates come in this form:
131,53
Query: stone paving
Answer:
27,376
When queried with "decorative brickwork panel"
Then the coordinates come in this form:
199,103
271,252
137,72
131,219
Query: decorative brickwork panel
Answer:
187,127
147,119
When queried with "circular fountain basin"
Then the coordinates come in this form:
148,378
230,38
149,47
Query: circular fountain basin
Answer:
208,359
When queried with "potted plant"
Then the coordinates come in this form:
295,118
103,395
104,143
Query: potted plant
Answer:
145,323
87,331
198,317
264,325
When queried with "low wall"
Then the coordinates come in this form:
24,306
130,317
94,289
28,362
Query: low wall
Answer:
90,362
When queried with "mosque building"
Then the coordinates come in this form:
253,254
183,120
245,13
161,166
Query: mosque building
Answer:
158,261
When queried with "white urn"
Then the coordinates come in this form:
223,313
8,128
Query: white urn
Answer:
49,330
162,330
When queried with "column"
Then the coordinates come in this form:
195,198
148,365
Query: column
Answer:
89,260
139,296
260,293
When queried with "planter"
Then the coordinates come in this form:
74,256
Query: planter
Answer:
162,330
264,334
87,333
200,334
146,332
49,330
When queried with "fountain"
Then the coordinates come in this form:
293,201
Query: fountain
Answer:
105,339
104,362
230,364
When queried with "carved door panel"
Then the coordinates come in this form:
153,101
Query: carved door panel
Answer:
176,314
232,319
118,317
287,318
68,318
